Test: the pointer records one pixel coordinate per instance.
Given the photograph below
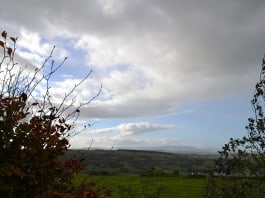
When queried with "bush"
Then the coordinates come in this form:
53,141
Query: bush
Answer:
34,132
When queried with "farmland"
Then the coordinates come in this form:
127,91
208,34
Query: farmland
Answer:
124,162
130,173
137,186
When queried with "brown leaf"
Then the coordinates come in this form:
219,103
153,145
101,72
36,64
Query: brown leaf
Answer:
4,34
9,51
13,39
24,96
2,44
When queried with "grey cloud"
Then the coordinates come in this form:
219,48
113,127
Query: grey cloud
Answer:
188,50
214,30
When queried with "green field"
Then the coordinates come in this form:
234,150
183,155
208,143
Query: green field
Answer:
142,174
139,186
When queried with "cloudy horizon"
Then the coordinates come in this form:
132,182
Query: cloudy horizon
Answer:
172,72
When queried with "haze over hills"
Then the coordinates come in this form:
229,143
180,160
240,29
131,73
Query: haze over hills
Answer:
177,149
168,149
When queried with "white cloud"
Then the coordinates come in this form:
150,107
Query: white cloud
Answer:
120,142
140,128
34,48
132,129
31,48
82,93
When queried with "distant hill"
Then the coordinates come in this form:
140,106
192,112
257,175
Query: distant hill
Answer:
139,161
177,149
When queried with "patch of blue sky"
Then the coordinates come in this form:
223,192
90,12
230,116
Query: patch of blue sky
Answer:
24,49
75,65
213,121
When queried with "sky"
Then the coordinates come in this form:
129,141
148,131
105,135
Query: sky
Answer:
173,72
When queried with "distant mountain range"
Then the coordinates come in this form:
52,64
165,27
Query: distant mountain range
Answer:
171,149
176,149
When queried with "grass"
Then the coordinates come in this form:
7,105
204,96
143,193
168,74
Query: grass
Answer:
139,186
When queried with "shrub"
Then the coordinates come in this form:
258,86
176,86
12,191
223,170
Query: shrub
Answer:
34,132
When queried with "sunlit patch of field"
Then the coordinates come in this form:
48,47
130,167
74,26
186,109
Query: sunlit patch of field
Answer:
146,186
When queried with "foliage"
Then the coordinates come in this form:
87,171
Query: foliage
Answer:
241,165
34,131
